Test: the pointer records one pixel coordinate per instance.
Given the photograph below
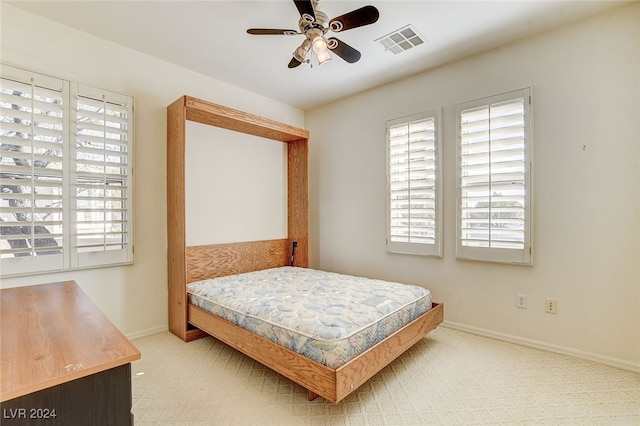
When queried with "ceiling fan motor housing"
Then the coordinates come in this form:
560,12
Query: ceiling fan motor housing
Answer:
307,22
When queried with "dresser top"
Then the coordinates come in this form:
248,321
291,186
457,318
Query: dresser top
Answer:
51,334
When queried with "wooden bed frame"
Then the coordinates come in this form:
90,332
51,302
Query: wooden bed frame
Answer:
193,263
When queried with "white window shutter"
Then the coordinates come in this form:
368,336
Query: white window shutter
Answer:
101,176
494,179
413,208
33,140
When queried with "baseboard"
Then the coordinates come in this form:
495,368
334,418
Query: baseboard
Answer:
147,332
613,362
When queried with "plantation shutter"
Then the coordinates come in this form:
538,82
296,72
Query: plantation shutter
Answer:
102,176
33,134
413,218
66,175
494,185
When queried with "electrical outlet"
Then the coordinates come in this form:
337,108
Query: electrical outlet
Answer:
551,306
521,301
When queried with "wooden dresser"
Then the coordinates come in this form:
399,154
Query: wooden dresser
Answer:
62,361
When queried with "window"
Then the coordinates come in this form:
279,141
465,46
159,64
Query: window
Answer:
65,174
494,221
413,182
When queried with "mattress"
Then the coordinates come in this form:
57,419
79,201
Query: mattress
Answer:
328,317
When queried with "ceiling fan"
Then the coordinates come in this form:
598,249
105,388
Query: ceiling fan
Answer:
314,24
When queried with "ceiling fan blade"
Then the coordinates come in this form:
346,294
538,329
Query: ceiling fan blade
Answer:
343,50
357,18
294,63
271,31
305,7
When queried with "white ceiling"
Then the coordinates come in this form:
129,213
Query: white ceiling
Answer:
210,37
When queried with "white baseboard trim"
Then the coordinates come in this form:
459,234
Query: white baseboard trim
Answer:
147,332
613,362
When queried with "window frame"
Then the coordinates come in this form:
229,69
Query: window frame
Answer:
523,256
71,256
407,247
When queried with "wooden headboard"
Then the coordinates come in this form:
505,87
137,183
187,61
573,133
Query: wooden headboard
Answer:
219,260
192,263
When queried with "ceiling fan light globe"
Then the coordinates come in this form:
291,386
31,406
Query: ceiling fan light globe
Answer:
323,57
298,57
302,52
319,44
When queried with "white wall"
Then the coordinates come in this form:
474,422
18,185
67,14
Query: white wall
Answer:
235,186
133,297
586,85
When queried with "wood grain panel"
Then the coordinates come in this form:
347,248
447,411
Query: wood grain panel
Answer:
218,260
298,200
52,334
176,233
239,121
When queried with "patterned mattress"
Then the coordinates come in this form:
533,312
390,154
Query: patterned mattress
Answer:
327,317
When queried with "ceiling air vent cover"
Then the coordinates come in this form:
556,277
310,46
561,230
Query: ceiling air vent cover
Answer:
400,40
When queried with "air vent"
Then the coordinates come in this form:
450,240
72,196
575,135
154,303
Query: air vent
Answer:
400,40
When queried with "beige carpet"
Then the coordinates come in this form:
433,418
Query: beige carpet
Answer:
450,377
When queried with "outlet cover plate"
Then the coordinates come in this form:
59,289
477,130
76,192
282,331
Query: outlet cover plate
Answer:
521,301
